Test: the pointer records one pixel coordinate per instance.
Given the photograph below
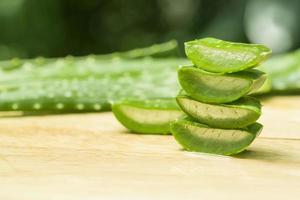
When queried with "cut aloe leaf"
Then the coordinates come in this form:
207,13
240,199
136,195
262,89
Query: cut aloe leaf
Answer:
147,116
201,138
237,114
219,88
216,55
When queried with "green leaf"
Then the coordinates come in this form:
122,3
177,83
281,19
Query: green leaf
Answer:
86,85
151,116
237,114
200,138
216,55
167,49
219,88
284,71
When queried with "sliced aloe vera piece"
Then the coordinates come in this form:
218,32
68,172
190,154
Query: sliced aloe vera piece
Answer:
219,88
216,55
237,114
201,138
147,116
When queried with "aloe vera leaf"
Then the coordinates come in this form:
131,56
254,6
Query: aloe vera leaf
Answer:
237,114
167,49
151,116
216,55
284,71
193,136
66,67
87,85
91,69
58,96
219,88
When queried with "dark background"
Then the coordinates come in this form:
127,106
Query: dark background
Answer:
51,28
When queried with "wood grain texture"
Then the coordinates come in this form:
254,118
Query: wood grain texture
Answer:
91,156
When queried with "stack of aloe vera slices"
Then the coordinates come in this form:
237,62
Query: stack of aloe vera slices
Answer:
221,116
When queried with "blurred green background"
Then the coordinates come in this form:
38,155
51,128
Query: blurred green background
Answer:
53,28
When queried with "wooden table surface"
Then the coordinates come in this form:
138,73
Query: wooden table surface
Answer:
91,156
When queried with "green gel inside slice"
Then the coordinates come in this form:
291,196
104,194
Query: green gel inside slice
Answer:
219,88
152,116
201,138
216,55
237,114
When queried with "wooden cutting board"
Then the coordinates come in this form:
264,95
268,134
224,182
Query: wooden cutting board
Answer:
91,156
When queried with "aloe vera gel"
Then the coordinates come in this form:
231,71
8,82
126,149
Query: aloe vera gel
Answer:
221,114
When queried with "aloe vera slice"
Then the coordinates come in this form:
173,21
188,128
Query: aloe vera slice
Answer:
201,138
219,88
147,116
216,55
237,114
